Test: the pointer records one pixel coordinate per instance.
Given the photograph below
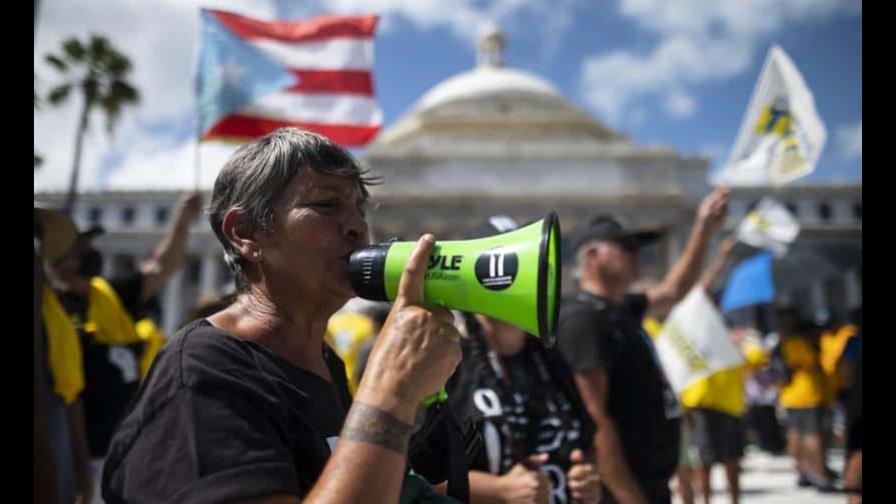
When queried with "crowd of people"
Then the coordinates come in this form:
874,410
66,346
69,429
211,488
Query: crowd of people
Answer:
97,339
282,393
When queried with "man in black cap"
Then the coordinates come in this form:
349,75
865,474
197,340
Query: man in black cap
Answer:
616,368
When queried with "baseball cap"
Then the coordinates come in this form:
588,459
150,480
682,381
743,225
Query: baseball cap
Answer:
610,227
58,233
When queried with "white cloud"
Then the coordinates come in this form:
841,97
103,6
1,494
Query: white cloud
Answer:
611,82
700,41
715,151
849,141
153,166
679,104
463,19
732,17
556,21
549,19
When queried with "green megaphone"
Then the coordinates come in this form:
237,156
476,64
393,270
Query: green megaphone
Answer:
513,276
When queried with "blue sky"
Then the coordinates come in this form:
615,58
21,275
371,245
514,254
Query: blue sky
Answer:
672,73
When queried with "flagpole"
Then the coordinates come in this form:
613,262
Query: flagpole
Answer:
197,118
197,158
196,164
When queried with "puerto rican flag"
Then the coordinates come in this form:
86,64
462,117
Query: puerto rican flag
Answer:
256,76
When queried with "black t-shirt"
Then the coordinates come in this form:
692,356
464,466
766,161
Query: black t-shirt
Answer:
534,409
111,372
593,333
219,418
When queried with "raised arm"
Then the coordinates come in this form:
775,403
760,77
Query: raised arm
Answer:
710,217
170,253
711,274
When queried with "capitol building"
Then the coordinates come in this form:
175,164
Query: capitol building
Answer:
495,140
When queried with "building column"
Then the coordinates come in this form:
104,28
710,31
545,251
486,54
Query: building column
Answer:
108,266
817,298
209,275
173,304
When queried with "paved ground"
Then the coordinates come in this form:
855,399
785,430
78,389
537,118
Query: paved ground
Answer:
769,479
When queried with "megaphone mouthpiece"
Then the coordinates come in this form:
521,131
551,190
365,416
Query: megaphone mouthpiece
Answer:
367,270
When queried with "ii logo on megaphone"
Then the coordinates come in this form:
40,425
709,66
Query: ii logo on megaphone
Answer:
496,268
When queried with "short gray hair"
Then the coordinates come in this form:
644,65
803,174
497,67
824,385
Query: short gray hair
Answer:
257,173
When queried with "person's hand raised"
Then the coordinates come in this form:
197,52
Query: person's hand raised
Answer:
713,210
190,206
418,348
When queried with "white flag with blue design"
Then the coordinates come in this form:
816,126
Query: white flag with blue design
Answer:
769,226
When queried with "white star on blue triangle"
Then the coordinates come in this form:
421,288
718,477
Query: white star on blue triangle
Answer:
232,73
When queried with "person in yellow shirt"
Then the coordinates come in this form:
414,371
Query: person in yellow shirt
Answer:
804,395
716,404
347,332
832,343
377,313
61,461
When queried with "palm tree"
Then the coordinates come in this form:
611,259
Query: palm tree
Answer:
100,72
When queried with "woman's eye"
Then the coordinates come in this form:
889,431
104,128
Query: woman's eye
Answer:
327,205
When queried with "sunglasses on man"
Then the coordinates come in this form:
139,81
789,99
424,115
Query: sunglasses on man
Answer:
630,244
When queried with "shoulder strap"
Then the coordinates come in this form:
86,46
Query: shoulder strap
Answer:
596,303
603,309
442,450
459,447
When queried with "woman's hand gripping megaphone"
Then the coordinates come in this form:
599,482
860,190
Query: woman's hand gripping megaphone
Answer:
418,348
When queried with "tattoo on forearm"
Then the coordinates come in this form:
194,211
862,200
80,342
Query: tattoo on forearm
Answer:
370,424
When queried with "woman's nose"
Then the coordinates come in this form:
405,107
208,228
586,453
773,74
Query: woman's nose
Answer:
355,226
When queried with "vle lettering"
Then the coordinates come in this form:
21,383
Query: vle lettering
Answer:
445,262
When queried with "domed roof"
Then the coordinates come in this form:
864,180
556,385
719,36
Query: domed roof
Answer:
483,81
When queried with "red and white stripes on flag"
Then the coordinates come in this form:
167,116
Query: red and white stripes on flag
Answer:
332,59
